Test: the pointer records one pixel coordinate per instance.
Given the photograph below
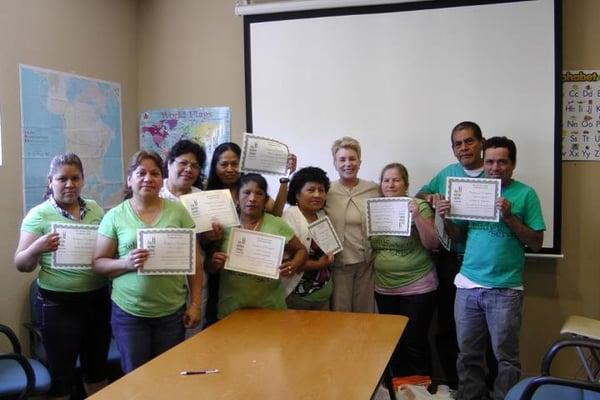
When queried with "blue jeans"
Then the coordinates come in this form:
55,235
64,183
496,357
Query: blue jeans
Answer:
140,339
74,325
478,311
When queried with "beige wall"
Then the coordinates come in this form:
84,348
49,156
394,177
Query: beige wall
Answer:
87,37
557,289
190,53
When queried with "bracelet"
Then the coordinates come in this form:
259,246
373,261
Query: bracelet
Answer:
284,180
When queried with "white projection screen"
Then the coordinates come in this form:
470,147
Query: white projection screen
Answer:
399,77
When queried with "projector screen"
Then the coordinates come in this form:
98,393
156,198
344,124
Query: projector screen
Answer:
399,77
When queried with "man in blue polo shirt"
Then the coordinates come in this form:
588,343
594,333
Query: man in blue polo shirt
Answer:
467,141
489,295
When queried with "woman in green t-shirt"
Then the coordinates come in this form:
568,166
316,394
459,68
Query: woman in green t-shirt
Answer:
240,290
73,303
149,314
405,279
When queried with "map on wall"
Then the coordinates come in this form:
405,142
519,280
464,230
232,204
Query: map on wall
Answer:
208,126
62,112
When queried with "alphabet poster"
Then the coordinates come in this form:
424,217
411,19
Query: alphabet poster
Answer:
581,115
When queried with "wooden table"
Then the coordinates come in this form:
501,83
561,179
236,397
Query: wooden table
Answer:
266,354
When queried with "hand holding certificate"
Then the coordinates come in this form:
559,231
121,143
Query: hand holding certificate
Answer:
211,206
473,199
172,251
323,233
255,253
388,216
263,155
76,246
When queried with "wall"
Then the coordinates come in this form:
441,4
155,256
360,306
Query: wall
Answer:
87,37
191,54
557,289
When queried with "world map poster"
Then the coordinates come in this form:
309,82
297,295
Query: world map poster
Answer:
208,126
62,112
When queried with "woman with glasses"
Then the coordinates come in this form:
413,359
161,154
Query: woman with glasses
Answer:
183,171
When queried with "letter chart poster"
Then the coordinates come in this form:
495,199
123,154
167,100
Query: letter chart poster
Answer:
581,115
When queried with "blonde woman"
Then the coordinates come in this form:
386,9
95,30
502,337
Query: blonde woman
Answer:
352,273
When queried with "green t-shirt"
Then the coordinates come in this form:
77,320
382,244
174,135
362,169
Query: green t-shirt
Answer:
238,290
320,295
38,221
401,260
437,184
145,295
495,256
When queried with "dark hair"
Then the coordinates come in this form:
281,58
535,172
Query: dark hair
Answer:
400,168
213,180
184,147
467,125
58,161
301,177
502,141
256,178
135,162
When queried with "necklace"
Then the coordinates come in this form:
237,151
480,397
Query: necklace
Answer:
149,214
254,226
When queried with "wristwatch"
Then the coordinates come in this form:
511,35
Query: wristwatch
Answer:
284,180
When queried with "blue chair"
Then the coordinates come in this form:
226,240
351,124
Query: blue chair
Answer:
20,377
548,387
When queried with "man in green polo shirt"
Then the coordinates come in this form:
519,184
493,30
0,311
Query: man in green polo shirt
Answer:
467,141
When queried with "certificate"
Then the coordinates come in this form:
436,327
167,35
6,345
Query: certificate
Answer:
473,199
211,206
76,246
263,155
255,253
172,251
441,231
388,216
324,235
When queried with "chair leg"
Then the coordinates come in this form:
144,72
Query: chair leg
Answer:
591,374
387,380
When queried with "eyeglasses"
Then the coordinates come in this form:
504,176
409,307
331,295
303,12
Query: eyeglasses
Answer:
183,164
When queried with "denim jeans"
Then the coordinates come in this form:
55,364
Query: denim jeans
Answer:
140,339
74,325
478,311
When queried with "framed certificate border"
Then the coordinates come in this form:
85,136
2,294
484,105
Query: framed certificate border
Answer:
188,270
443,236
497,183
396,232
243,167
245,270
187,199
58,225
325,220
